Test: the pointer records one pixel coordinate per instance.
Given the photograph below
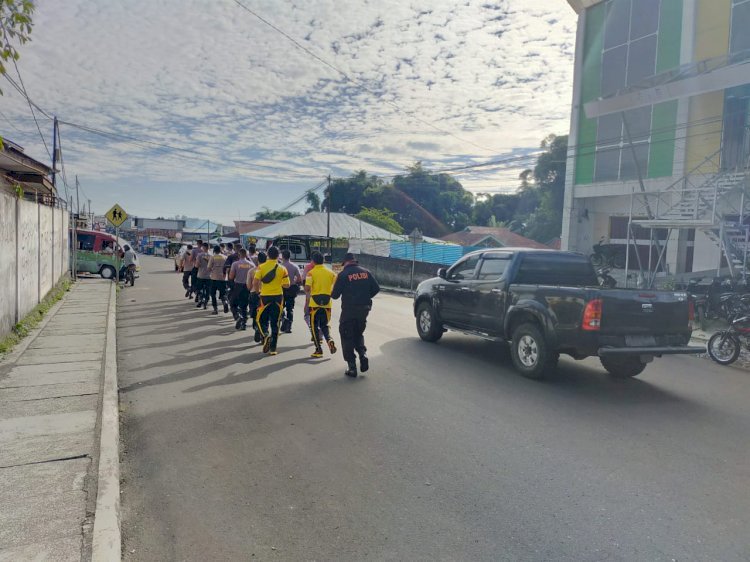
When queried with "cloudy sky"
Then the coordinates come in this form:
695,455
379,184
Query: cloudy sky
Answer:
257,120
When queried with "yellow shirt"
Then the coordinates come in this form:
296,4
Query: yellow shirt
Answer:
275,287
320,279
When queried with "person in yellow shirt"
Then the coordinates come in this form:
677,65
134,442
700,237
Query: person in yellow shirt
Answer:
271,278
318,286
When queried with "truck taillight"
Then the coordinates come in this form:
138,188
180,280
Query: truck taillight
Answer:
691,311
592,315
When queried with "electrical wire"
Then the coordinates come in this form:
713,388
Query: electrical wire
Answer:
31,107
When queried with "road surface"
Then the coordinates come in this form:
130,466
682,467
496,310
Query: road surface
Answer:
442,452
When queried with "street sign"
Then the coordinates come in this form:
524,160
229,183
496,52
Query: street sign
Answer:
416,236
116,215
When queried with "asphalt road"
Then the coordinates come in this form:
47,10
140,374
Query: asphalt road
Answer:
442,452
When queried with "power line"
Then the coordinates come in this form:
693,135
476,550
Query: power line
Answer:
26,95
356,81
10,122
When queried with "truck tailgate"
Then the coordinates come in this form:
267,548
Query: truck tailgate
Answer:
638,312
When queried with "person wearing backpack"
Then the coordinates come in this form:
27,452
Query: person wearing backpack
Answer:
318,286
271,278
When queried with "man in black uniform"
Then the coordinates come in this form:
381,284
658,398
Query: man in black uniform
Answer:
356,286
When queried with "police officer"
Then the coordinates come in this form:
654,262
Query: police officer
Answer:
290,294
194,284
187,270
356,286
239,272
218,280
204,276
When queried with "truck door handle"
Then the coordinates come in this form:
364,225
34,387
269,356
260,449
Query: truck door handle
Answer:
497,291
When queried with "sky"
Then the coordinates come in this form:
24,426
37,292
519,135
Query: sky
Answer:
231,115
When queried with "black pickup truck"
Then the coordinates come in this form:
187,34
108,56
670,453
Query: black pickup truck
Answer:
548,302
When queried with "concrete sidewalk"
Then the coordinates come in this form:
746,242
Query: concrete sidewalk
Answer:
50,396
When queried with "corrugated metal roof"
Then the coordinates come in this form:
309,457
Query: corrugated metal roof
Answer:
314,224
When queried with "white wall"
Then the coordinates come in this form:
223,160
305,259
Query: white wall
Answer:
33,254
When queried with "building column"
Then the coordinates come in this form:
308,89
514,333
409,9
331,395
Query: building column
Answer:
569,235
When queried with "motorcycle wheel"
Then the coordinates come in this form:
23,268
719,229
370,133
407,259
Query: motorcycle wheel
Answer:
597,260
724,348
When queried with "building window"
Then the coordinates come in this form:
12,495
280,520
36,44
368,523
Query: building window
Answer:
740,38
629,56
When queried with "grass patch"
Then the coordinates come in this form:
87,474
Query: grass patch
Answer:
32,319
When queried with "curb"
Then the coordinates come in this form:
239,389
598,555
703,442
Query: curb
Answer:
106,540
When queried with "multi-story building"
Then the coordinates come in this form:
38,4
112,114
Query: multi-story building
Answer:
659,140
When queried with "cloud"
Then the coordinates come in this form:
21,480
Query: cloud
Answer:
210,78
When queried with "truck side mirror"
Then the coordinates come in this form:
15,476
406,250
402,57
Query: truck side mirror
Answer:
441,273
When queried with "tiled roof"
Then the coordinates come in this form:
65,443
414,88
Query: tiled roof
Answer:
479,235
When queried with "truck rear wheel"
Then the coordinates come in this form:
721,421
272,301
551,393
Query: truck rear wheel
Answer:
530,353
429,327
623,367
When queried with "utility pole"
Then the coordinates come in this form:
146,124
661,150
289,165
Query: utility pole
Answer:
78,200
54,152
328,207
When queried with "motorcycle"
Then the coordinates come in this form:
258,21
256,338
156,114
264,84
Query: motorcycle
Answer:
130,275
605,279
612,255
724,346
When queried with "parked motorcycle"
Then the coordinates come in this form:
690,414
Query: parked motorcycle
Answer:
605,279
724,346
612,255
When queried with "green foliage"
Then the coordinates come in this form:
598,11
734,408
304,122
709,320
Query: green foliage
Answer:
15,24
435,203
30,321
268,215
313,201
382,218
535,210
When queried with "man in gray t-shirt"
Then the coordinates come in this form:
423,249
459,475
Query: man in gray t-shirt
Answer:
204,276
290,294
239,272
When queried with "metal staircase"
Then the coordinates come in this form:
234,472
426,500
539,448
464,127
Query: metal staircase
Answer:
707,199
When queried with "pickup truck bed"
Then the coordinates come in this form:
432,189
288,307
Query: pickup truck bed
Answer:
547,303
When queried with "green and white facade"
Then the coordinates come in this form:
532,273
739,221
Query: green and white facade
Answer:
659,129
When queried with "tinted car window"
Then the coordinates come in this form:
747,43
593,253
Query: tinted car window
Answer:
493,268
552,269
86,242
464,269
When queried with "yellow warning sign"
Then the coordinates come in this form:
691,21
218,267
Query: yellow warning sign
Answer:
116,215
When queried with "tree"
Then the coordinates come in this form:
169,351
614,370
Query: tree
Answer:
382,218
545,222
313,201
268,215
15,24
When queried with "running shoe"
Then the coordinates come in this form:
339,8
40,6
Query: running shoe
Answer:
364,363
351,371
273,353
267,344
317,354
257,337
332,346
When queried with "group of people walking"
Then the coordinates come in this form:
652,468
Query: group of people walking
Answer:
261,288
